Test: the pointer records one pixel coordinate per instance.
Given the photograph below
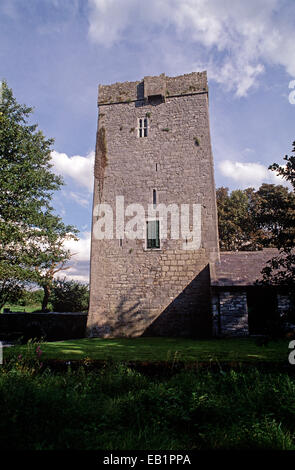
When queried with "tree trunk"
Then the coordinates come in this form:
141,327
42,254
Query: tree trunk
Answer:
45,300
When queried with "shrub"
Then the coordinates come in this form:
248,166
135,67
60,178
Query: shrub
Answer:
69,296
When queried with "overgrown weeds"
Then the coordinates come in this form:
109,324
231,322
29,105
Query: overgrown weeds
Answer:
119,408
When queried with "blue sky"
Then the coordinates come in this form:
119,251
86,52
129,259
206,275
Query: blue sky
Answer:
54,53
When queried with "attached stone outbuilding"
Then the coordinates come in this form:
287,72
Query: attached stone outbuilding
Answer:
239,306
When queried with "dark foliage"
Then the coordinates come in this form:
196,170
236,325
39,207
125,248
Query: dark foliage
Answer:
118,408
69,296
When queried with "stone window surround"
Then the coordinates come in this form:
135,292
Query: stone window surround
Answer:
152,219
142,128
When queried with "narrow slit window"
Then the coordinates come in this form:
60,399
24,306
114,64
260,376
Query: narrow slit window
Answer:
142,127
153,234
154,197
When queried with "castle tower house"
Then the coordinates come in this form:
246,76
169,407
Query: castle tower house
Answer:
153,148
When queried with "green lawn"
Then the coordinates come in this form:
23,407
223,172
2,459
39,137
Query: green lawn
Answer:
120,407
162,349
19,308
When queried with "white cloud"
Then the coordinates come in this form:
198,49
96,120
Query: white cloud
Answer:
79,272
80,248
106,25
249,174
80,199
79,168
233,40
78,265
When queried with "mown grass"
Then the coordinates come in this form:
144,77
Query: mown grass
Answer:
20,308
162,349
117,408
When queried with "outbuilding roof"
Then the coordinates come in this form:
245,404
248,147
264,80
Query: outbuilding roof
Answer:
240,268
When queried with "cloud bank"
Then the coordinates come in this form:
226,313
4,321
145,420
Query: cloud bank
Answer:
79,168
233,40
80,261
249,174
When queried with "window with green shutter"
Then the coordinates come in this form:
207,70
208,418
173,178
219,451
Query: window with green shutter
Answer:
153,234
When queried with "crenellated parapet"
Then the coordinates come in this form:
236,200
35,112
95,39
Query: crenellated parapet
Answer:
153,86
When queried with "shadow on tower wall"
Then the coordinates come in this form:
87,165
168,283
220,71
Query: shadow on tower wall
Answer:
187,315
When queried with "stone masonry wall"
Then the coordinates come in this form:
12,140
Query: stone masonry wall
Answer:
134,291
215,314
284,304
50,326
231,314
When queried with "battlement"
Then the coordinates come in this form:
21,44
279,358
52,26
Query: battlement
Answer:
158,86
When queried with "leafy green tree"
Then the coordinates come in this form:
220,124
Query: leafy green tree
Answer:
287,171
230,218
275,215
252,220
29,297
52,256
280,270
237,228
31,235
10,291
69,296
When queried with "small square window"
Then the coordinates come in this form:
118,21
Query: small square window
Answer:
142,127
153,234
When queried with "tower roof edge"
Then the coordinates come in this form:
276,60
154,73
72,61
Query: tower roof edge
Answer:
190,83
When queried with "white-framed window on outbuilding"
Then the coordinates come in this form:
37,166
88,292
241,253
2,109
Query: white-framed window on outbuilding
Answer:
152,234
143,127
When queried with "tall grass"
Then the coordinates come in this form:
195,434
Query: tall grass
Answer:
118,408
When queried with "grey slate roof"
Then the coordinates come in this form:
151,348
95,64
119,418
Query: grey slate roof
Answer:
240,268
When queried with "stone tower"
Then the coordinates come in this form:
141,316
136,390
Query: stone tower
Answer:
153,147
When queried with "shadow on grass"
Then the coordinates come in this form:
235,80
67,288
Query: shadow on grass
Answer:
162,349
